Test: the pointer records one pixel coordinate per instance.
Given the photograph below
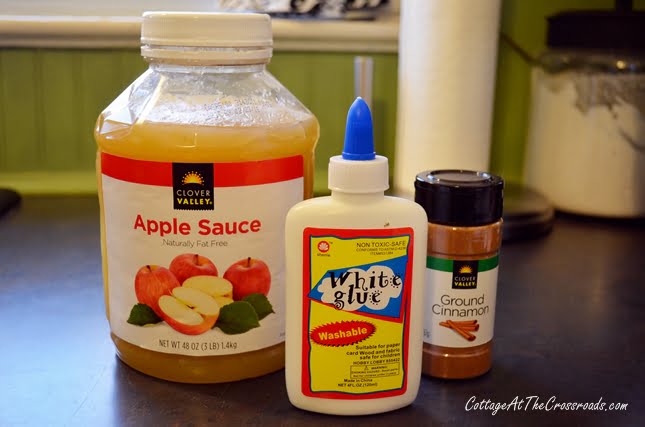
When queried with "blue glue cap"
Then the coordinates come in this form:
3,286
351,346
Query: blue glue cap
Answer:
359,136
359,170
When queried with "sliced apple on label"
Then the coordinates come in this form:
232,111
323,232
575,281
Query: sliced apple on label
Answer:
211,285
179,312
222,301
189,311
203,303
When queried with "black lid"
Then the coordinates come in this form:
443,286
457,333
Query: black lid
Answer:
460,197
621,28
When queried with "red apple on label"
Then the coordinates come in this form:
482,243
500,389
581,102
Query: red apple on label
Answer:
151,283
189,265
249,276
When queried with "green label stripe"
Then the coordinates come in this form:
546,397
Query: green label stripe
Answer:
443,264
440,264
488,263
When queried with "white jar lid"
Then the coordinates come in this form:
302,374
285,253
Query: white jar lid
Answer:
248,33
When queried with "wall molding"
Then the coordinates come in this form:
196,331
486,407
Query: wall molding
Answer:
110,32
50,182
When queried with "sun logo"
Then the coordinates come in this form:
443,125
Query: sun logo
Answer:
465,270
192,178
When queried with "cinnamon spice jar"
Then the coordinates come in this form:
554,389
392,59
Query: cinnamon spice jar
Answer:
464,211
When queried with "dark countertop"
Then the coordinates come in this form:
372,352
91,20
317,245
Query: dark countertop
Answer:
570,324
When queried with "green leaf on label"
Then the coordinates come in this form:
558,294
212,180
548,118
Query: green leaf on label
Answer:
260,303
237,317
141,314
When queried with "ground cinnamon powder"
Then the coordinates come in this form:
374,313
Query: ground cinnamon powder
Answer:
464,236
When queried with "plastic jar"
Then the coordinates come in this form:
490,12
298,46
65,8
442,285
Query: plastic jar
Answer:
464,211
586,145
198,162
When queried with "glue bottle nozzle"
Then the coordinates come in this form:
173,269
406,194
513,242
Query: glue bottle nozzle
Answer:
359,136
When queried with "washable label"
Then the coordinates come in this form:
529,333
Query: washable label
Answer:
460,301
356,292
195,252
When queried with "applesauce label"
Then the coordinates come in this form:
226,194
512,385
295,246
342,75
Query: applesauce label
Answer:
460,301
356,289
195,252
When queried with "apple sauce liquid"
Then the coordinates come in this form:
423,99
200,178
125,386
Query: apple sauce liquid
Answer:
194,187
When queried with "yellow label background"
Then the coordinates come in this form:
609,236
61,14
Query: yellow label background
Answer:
331,366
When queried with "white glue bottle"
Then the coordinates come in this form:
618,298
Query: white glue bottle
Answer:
355,279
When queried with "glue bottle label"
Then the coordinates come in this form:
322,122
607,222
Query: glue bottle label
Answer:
356,292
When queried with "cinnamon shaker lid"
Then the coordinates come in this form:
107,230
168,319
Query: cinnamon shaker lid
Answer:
460,197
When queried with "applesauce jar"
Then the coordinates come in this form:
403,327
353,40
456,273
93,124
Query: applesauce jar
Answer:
198,162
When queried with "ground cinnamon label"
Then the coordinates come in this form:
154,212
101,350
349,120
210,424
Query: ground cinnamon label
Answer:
464,211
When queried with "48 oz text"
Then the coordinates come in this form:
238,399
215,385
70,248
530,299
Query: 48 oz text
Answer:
198,346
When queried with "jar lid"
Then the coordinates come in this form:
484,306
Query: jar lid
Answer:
227,36
460,197
621,28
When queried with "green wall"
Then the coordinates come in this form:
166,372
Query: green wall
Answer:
50,98
313,79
